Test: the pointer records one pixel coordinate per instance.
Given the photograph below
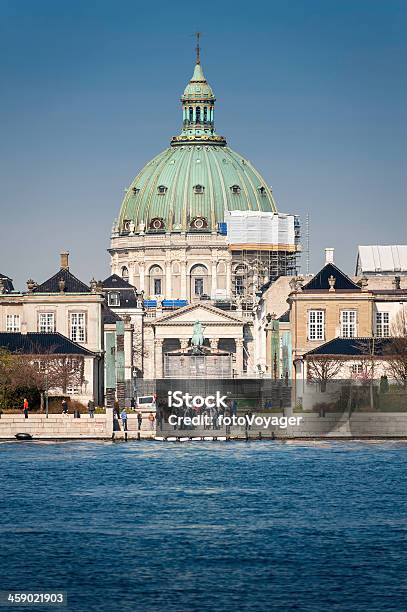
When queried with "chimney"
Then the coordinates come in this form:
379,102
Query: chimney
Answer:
329,255
65,260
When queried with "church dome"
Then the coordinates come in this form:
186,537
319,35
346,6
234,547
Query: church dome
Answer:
189,186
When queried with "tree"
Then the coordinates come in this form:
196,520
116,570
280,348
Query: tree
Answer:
396,349
322,368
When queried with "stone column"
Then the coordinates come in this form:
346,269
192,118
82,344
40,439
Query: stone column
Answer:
239,356
158,357
213,283
229,288
142,272
168,288
184,295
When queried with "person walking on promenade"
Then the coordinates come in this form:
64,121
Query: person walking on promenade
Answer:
151,418
132,403
91,409
139,420
123,417
25,408
64,407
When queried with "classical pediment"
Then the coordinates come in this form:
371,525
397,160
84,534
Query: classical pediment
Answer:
198,312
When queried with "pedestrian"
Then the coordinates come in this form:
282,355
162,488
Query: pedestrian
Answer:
123,417
25,408
151,418
139,420
91,409
64,406
132,403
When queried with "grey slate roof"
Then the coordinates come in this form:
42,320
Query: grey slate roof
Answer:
8,282
109,316
116,284
320,281
37,343
349,347
72,284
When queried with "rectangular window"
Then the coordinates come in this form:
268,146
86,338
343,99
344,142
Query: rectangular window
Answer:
382,324
348,324
13,323
113,299
78,327
46,322
157,286
199,286
73,390
316,325
357,369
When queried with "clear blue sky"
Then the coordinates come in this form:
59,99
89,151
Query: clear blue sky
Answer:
313,92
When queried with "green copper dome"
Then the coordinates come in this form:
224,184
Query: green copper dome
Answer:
189,186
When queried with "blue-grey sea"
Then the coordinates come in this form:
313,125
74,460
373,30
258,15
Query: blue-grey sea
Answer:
207,526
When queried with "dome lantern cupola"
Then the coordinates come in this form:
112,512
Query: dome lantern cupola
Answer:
198,107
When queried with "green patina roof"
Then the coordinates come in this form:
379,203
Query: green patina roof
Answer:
198,87
180,169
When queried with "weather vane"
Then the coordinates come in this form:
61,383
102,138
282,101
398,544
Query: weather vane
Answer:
198,49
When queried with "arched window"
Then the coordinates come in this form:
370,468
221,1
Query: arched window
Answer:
205,114
198,114
199,188
191,114
161,189
235,189
125,273
199,281
156,280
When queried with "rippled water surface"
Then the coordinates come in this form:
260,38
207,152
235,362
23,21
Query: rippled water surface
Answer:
207,526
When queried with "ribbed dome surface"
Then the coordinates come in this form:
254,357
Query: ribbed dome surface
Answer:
186,182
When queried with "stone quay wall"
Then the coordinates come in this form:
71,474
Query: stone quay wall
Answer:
58,426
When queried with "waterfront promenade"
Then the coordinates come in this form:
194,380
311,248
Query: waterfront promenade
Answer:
359,425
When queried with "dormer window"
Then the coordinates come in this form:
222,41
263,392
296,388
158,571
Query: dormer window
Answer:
157,223
162,189
113,299
135,190
126,225
262,190
199,223
235,189
199,188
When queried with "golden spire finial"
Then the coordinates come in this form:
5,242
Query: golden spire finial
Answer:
198,49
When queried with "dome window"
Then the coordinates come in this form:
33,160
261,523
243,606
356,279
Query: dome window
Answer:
162,189
235,189
135,190
262,190
199,223
157,223
199,188
126,225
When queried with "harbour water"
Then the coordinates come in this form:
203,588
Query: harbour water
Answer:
207,526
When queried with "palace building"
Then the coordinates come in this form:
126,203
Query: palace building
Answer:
199,234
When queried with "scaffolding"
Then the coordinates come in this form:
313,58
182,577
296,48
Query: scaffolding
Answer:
264,246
